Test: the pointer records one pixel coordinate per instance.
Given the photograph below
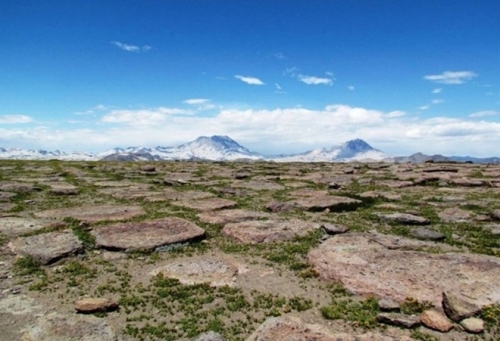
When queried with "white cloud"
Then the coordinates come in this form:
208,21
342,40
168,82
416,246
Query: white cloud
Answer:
278,87
15,119
249,80
424,107
437,91
131,48
451,77
485,113
351,87
437,101
270,131
312,80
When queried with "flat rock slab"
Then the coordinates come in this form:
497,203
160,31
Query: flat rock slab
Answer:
6,206
92,214
454,215
206,204
48,247
6,196
62,188
333,203
17,187
215,272
231,216
268,231
404,218
258,185
146,235
14,226
140,191
56,327
294,329
186,195
368,267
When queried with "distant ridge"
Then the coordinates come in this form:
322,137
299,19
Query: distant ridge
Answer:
223,148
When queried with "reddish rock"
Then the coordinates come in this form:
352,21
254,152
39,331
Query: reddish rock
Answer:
146,235
94,305
268,231
294,329
333,203
392,267
206,205
92,214
48,247
231,216
436,320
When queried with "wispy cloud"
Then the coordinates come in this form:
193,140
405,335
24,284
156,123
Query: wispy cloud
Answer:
200,103
143,117
351,87
437,91
279,55
249,80
312,80
131,48
437,101
451,77
485,113
15,119
93,110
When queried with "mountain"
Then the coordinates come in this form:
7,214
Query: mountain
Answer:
354,150
214,148
421,158
40,154
475,159
223,148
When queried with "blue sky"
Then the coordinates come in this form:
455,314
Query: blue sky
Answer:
276,76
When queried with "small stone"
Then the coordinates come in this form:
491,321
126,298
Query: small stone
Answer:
434,319
457,308
333,185
473,325
400,320
93,305
148,168
387,304
334,228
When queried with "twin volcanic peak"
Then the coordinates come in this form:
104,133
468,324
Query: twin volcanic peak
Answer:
213,148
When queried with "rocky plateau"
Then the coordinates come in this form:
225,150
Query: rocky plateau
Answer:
192,250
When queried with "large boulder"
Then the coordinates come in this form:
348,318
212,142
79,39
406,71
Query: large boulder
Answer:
370,264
